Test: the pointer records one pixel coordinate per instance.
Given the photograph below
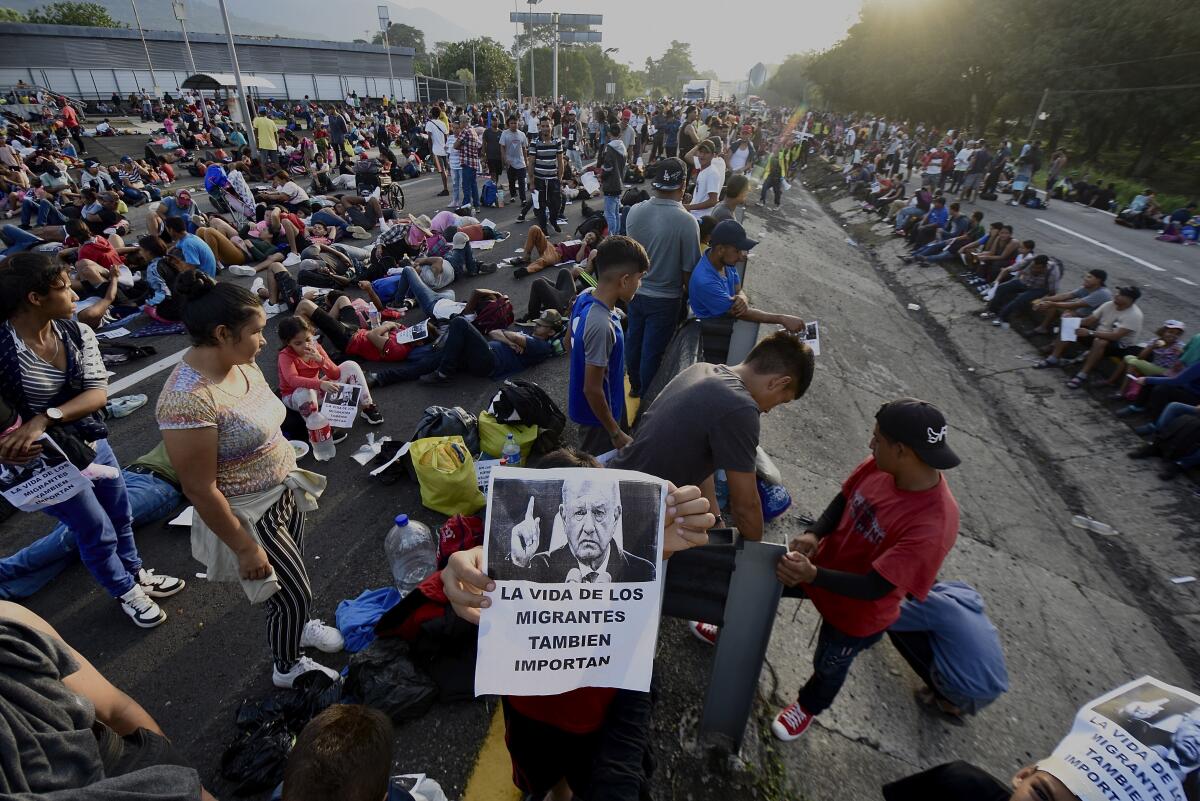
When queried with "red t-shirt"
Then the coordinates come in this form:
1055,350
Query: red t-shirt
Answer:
394,351
579,711
903,536
101,251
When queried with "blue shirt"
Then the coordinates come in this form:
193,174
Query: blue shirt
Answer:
196,251
938,216
588,343
175,210
967,654
508,361
709,293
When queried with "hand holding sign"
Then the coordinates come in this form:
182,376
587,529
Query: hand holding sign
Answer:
465,583
688,519
526,537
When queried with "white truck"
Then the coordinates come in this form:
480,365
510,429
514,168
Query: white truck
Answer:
697,90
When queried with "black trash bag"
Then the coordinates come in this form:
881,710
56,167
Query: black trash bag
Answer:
255,760
395,469
383,676
440,421
310,694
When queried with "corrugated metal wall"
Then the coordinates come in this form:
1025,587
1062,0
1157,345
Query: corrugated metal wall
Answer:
95,62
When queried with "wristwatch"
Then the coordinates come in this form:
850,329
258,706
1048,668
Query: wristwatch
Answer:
54,415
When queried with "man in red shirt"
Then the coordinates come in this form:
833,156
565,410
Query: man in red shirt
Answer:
882,538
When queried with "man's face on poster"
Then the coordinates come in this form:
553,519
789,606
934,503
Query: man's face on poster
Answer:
1186,740
590,513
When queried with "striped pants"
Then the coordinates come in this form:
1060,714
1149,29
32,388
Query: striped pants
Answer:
281,532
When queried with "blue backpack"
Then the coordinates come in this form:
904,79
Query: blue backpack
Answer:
489,196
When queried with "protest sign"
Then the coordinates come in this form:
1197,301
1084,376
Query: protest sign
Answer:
1068,326
1140,742
576,555
43,482
812,337
414,332
341,405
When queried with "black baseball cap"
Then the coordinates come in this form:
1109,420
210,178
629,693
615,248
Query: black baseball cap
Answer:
668,174
731,232
920,426
1131,292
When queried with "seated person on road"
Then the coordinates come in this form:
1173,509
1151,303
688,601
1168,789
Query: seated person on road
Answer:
1110,328
70,731
499,353
378,344
306,372
714,289
1081,302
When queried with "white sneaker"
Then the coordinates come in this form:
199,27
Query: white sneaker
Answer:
144,612
273,309
159,586
318,635
124,406
257,284
303,665
291,260
242,269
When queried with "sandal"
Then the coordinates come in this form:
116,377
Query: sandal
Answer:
1044,363
930,703
1077,381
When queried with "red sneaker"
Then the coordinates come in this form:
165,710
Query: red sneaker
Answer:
791,722
705,632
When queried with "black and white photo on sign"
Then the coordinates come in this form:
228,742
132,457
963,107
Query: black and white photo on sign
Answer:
582,529
341,405
41,482
1165,723
812,336
414,333
576,558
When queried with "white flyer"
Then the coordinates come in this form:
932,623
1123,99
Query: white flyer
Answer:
1067,328
45,481
413,333
483,471
812,336
341,405
1139,742
576,555
483,244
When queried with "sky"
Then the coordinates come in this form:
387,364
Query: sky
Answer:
728,37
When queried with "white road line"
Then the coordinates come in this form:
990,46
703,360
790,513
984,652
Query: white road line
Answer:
147,371
1184,280
1099,244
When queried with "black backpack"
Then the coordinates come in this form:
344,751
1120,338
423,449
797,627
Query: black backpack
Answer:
524,402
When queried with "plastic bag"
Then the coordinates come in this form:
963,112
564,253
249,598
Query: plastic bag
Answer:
442,421
356,618
493,434
446,473
383,676
254,762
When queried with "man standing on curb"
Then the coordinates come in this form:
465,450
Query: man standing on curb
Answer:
883,537
671,237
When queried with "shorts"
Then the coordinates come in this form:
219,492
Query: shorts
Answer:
542,754
441,163
1119,350
971,180
289,290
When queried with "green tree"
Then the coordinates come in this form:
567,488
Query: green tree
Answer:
492,66
401,35
669,72
790,85
11,15
92,15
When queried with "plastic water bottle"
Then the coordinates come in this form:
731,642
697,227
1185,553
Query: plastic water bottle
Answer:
373,318
510,454
410,551
320,436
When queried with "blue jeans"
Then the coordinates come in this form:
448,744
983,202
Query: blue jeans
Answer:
651,324
456,185
1173,410
47,213
17,240
102,521
831,664
463,261
35,565
329,218
401,286
907,213
612,214
470,187
1012,296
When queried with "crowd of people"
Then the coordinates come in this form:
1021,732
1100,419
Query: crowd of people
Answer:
346,270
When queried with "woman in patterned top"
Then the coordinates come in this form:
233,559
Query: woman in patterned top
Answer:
221,424
52,376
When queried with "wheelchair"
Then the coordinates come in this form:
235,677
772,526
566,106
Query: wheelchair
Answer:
391,195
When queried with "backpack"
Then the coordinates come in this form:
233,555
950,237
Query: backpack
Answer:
596,224
634,196
489,196
523,401
494,315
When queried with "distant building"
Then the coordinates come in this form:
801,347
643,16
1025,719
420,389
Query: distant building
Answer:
92,63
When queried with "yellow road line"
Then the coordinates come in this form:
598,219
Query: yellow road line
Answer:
491,780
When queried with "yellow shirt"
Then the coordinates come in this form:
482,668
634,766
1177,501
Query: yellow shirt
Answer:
264,133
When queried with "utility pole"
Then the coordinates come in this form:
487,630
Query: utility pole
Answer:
532,83
474,77
181,15
554,91
237,77
517,50
138,19
385,22
1038,115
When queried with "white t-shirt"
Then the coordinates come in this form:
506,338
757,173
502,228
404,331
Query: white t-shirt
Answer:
293,192
709,180
737,161
437,136
1111,318
963,159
